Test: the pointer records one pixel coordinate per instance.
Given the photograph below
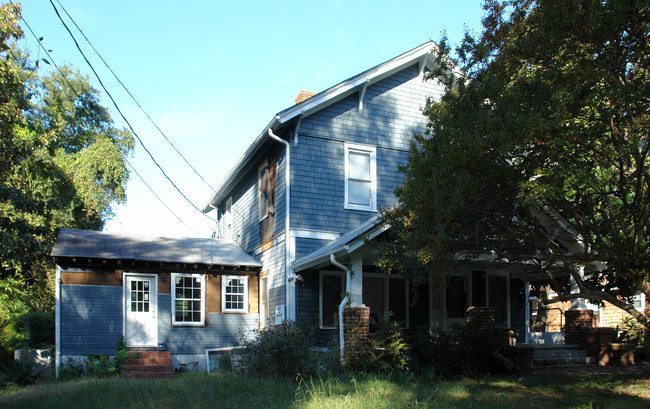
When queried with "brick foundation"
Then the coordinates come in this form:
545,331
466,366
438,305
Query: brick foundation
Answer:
356,326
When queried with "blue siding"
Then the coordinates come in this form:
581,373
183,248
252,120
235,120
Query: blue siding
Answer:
392,112
223,330
305,246
91,319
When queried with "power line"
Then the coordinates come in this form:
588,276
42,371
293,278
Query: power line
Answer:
124,118
65,78
133,98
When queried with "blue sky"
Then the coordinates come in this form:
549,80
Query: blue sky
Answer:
213,74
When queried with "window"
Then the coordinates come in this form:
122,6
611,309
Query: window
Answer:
382,293
188,304
228,217
360,177
234,294
263,188
332,286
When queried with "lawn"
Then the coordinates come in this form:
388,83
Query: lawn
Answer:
579,390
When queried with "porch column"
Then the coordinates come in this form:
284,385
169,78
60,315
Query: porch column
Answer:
354,279
577,303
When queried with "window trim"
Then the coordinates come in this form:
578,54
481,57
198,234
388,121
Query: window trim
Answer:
173,290
363,149
245,309
228,216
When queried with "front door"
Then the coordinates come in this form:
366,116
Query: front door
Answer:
141,305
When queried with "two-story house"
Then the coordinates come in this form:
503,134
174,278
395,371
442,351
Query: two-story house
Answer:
306,195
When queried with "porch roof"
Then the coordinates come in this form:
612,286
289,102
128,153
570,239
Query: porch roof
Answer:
347,243
93,246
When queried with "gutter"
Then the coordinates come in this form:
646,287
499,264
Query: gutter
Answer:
345,300
289,277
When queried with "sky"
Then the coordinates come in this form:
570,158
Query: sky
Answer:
213,74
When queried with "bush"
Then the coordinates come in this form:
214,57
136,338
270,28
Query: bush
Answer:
97,365
284,351
18,372
385,351
632,331
461,350
32,330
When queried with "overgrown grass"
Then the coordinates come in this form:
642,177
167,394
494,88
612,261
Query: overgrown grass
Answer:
232,391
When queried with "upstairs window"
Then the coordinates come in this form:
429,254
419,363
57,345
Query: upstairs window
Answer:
263,190
360,177
188,305
234,294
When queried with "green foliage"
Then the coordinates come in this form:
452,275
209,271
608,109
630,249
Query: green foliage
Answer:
27,331
460,351
95,365
284,351
547,124
385,351
18,372
632,332
62,164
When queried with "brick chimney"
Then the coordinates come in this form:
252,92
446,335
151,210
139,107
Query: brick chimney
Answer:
303,95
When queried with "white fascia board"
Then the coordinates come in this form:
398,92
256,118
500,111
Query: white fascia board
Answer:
357,83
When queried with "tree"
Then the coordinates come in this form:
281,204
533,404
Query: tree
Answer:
540,141
62,164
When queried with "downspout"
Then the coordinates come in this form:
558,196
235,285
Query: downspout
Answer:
57,321
342,305
290,305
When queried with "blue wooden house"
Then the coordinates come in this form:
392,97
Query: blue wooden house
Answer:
306,195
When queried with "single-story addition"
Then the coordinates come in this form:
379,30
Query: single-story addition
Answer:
182,295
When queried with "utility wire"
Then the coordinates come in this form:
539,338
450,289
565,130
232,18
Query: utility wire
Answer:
133,98
124,118
74,91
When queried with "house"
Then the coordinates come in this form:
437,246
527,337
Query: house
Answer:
306,195
180,295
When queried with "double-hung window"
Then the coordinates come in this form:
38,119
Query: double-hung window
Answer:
188,304
234,293
360,177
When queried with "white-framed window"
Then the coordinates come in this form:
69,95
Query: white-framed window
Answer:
263,182
234,293
188,299
360,177
330,294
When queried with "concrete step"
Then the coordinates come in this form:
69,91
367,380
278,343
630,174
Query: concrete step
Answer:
547,355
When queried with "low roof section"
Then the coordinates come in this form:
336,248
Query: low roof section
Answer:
88,249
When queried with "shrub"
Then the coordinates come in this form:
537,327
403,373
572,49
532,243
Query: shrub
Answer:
97,365
19,372
385,351
633,332
461,350
283,351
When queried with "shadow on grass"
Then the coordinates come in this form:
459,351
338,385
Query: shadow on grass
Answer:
231,391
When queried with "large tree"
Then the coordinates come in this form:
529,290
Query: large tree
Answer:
538,150
62,164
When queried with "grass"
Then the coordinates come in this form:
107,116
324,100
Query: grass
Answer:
231,391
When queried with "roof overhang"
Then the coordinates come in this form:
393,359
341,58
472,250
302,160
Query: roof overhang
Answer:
353,241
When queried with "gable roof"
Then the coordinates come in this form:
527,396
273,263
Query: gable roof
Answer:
96,245
347,243
421,55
